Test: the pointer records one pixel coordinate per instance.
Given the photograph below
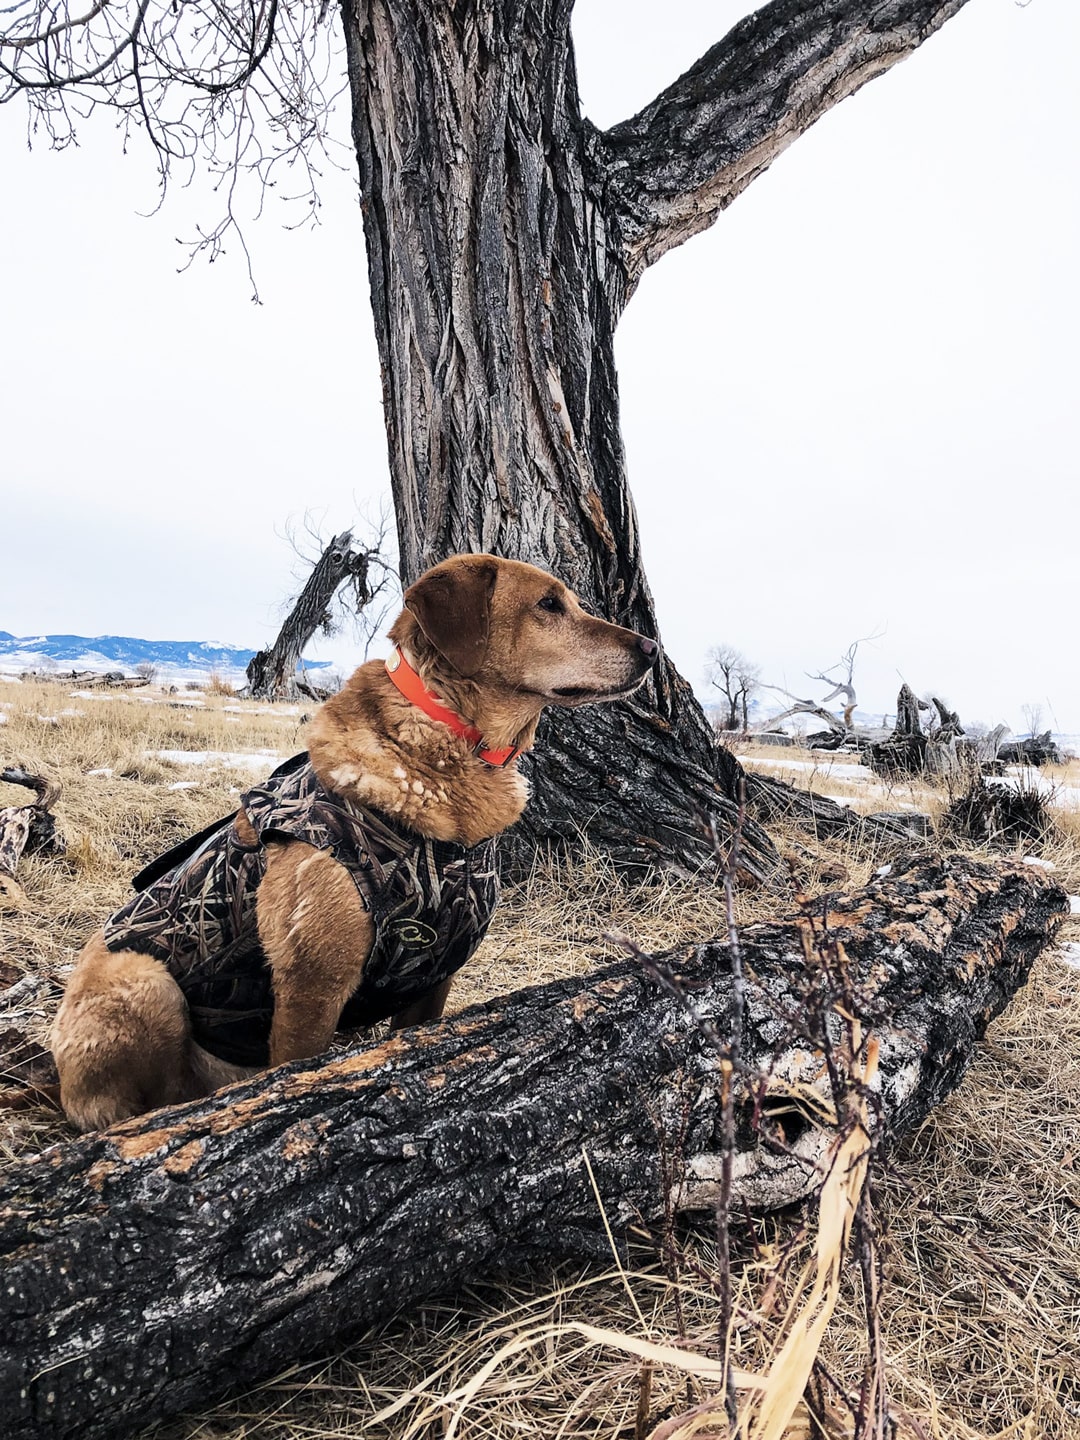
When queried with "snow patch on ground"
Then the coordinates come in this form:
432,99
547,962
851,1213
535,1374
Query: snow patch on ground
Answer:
262,709
1070,953
263,760
827,769
824,766
1062,797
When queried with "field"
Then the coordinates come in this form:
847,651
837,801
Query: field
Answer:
981,1213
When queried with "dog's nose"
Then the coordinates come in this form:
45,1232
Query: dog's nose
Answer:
648,647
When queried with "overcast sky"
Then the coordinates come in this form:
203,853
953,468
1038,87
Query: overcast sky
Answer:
850,406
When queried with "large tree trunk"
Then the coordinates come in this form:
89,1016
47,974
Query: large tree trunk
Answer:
504,236
153,1267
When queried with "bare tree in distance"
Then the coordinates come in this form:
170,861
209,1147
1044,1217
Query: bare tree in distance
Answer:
343,585
505,236
1033,718
736,678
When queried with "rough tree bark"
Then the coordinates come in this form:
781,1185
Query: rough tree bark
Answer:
272,673
505,235
148,1268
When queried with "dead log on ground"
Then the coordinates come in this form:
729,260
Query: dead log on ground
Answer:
88,679
154,1267
25,829
1036,750
773,799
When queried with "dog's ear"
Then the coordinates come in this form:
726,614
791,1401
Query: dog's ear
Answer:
452,606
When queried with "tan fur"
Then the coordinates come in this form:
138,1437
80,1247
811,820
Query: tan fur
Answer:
484,637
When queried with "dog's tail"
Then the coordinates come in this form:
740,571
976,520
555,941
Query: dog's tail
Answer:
30,1097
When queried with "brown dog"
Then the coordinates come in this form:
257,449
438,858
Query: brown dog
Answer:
354,883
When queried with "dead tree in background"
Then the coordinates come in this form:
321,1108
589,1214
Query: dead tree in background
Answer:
272,673
505,237
200,1248
840,729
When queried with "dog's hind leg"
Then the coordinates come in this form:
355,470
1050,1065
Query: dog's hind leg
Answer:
121,1039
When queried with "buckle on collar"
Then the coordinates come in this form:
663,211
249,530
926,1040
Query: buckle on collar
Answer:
481,751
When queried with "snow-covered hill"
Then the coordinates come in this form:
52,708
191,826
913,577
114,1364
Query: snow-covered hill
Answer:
173,659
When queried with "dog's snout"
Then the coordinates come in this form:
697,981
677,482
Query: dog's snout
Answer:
648,647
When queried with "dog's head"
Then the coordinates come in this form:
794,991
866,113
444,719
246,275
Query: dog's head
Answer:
508,626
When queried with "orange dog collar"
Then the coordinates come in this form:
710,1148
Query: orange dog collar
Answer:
413,688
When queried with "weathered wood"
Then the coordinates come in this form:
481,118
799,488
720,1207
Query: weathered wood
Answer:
88,679
27,1073
271,673
772,799
682,160
25,829
1036,750
153,1267
943,750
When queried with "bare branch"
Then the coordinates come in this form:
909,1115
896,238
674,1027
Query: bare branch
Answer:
245,86
674,167
805,707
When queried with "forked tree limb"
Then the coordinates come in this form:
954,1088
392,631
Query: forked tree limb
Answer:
151,1268
673,167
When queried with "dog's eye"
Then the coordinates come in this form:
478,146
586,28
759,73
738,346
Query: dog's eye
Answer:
552,603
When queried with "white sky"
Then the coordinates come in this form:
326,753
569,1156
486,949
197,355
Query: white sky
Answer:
851,405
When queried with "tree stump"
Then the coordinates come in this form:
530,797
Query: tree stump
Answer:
171,1259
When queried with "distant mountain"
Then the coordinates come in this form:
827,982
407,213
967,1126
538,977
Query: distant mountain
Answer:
175,658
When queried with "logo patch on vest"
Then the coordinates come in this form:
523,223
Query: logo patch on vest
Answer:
413,934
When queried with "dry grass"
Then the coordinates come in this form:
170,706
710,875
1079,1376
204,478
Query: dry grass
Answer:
981,1311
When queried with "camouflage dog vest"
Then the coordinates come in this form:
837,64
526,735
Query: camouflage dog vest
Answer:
431,902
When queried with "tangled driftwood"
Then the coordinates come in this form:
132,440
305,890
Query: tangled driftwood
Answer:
25,829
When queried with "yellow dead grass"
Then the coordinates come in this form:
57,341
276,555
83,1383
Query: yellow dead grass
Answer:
981,1307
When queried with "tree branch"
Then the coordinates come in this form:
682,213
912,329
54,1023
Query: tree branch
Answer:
674,167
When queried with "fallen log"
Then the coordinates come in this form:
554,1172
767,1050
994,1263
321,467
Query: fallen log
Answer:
87,679
156,1266
25,829
1035,750
774,799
